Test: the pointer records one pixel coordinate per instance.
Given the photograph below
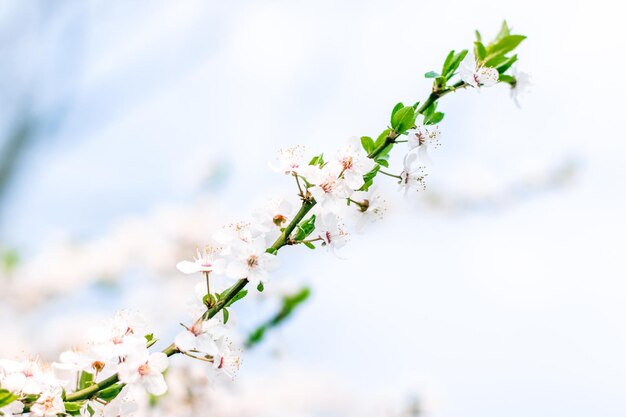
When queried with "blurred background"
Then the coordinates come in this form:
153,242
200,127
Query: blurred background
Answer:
131,131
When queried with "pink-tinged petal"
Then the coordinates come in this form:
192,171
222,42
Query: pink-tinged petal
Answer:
187,267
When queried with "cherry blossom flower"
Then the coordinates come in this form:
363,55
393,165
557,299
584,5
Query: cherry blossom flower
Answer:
120,406
476,75
354,164
251,261
49,403
145,369
523,82
119,337
21,377
330,191
227,361
207,260
330,231
276,214
423,137
202,336
412,177
370,207
289,160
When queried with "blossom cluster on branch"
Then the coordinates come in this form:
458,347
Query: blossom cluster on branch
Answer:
336,196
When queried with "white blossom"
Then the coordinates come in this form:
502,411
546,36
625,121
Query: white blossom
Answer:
22,376
120,337
207,260
227,360
202,337
251,261
423,137
370,207
354,163
476,75
289,160
330,191
49,403
145,369
330,230
412,177
276,214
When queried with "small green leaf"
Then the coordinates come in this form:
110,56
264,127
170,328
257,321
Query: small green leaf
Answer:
478,37
504,31
396,108
507,79
403,119
240,295
383,162
273,251
6,397
85,379
367,143
382,137
454,63
111,392
504,45
73,408
505,65
304,229
260,287
434,118
309,245
369,178
225,315
480,51
256,336
431,74
317,160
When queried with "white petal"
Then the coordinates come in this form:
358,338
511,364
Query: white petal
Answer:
187,267
185,341
155,384
158,362
237,269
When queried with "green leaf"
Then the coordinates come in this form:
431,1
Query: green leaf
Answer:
309,245
382,137
396,108
256,336
455,61
85,379
367,143
431,74
111,392
6,397
480,51
403,119
507,79
304,229
504,31
273,251
478,37
504,45
369,178
260,287
240,295
433,118
225,314
317,160
447,63
73,408
382,162
505,65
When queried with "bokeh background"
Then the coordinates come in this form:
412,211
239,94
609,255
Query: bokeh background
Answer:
130,131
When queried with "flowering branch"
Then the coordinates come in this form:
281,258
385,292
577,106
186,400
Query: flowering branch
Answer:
331,187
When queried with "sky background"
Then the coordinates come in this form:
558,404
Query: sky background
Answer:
512,309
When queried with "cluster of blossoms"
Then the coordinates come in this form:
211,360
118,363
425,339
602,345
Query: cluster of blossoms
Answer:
105,376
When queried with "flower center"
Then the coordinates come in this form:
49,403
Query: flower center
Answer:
143,369
253,261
